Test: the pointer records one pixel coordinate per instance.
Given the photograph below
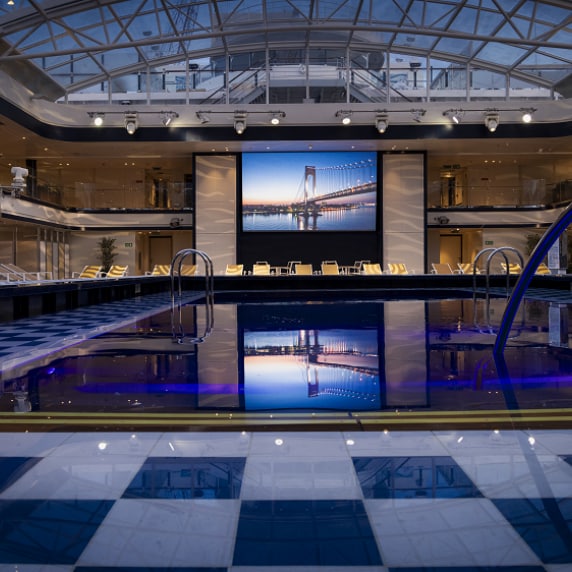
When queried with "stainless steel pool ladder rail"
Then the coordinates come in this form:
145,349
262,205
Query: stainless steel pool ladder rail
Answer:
537,256
177,304
493,252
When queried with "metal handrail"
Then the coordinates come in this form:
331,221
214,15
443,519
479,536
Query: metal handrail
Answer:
177,306
493,252
540,251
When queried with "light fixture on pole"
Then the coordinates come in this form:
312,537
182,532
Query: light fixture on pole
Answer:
240,122
381,122
492,120
131,123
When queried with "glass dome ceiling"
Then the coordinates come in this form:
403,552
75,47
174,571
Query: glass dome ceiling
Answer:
259,51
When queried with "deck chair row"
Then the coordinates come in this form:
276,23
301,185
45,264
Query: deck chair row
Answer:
94,271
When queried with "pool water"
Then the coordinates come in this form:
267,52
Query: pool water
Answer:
352,357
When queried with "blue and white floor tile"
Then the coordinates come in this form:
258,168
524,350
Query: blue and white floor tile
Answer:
329,502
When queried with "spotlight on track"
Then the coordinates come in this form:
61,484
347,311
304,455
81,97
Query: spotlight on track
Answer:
381,122
492,121
131,123
240,123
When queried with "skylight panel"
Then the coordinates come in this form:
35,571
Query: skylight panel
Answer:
500,54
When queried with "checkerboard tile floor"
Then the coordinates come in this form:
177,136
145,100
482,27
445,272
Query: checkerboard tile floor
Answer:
322,501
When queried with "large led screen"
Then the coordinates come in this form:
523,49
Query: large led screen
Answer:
309,191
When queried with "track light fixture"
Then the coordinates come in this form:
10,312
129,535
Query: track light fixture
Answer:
276,117
167,117
240,122
455,115
492,120
346,116
381,122
97,118
131,118
131,123
527,115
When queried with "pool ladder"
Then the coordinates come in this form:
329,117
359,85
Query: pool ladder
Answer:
177,297
492,251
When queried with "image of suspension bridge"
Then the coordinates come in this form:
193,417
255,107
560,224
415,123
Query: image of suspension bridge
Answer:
340,196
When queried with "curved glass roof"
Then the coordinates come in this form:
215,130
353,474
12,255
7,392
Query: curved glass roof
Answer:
61,48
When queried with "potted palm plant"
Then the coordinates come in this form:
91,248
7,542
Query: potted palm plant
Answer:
107,252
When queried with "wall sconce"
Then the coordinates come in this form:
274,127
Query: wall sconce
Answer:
167,117
381,122
455,115
346,116
492,121
131,123
240,122
97,118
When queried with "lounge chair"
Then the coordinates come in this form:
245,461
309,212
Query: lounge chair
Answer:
17,273
303,270
234,269
188,269
330,268
398,268
160,270
543,269
116,271
442,268
261,268
90,271
513,268
371,269
467,268
291,266
357,267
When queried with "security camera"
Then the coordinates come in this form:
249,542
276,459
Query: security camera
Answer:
19,174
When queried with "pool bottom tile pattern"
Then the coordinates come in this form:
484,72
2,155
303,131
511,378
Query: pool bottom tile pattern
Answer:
417,501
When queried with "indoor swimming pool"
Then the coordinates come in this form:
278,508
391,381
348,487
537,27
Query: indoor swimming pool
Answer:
356,357
277,444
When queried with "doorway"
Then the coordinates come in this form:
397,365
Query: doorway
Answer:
451,249
160,250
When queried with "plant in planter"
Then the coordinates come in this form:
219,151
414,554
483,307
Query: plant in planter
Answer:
107,252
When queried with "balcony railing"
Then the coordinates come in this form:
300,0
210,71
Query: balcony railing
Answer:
174,196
